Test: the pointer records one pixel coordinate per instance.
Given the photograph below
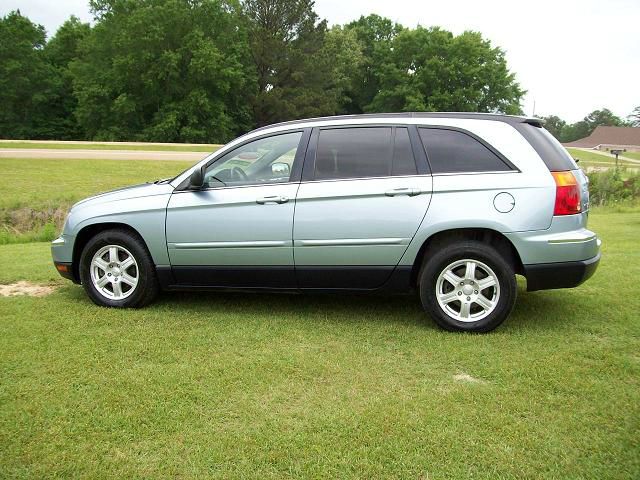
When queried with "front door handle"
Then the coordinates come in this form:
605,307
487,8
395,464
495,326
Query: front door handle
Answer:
412,192
272,199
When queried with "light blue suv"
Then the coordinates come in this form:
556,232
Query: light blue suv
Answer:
451,205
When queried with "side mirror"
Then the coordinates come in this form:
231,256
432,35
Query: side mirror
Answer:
196,181
280,169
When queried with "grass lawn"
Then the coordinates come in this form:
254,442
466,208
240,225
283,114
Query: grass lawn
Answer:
593,159
279,386
111,146
37,193
634,155
38,183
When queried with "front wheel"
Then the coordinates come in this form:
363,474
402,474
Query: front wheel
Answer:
116,270
467,286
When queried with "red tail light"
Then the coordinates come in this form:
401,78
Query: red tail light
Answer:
567,194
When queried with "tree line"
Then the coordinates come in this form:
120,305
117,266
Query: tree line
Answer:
208,70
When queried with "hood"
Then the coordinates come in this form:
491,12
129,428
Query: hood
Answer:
126,193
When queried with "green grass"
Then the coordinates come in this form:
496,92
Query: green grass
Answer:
37,193
634,155
107,146
39,183
278,386
593,159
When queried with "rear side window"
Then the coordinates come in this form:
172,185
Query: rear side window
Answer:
451,151
363,152
553,154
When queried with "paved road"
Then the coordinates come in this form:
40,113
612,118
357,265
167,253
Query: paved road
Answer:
100,154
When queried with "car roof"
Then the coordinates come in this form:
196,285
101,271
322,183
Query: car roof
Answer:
510,119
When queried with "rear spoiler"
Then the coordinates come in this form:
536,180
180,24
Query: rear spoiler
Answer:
536,122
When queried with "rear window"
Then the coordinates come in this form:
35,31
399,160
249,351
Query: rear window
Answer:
452,151
553,154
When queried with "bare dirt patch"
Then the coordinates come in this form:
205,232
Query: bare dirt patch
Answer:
25,288
466,378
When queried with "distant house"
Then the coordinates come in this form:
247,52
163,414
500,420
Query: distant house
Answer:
608,138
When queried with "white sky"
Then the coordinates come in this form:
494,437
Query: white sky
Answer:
572,56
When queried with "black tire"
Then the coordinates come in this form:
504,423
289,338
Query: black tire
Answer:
147,287
440,258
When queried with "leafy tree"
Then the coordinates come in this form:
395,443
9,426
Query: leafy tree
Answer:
431,69
294,76
634,118
603,117
25,77
344,56
61,103
555,125
164,70
375,35
585,127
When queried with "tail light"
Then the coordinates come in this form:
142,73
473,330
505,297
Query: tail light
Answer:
567,194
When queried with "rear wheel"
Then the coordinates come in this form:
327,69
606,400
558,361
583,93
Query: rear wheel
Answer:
116,270
467,286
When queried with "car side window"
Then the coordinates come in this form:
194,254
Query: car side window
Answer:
263,161
362,152
451,151
403,160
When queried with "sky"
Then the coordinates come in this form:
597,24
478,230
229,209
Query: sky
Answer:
571,56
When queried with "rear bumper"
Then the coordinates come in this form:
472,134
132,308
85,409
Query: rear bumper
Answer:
546,276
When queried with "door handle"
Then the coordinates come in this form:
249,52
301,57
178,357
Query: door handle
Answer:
412,192
272,199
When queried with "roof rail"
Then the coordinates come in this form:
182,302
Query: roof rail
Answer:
511,119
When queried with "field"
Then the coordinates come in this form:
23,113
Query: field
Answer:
273,386
634,155
590,159
282,386
37,193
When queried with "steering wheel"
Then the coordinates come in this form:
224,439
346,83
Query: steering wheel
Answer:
238,173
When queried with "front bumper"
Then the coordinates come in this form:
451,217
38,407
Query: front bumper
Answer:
65,269
62,254
546,276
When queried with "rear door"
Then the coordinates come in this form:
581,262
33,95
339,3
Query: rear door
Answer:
360,203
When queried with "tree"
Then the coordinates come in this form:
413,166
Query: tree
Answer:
603,117
375,35
586,126
433,70
164,70
61,103
555,125
343,53
294,77
25,78
634,118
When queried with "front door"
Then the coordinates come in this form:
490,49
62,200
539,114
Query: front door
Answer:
360,207
237,231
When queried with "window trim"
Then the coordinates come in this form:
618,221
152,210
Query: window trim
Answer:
296,170
309,168
511,167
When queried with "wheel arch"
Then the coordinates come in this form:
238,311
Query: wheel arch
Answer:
485,235
88,232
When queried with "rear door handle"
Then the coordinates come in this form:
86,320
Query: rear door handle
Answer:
412,192
272,199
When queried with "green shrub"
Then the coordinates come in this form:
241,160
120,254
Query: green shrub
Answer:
613,186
